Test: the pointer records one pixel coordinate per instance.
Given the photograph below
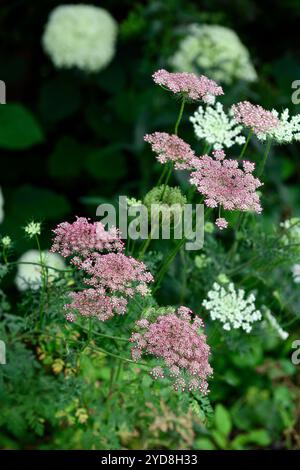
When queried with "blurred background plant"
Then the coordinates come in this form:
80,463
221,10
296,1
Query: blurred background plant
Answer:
71,137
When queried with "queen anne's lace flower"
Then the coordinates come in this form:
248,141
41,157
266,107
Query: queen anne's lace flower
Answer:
33,229
287,131
275,325
221,223
1,207
29,276
6,241
80,36
231,307
112,277
115,272
176,339
223,183
93,303
254,116
82,237
216,127
188,85
215,50
171,148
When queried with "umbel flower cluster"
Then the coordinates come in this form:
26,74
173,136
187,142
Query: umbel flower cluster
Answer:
215,50
217,128
254,116
231,307
188,85
179,343
111,276
171,148
224,184
80,36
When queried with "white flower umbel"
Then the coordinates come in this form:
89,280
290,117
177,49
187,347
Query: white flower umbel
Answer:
80,36
1,206
286,132
296,273
29,276
33,229
216,127
6,241
231,307
275,325
217,52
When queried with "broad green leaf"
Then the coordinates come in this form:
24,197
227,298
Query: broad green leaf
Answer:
18,127
223,420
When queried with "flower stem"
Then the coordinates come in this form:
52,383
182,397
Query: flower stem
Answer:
179,117
246,144
266,154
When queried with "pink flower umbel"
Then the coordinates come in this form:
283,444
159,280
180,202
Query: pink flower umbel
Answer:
116,272
188,85
112,277
221,223
179,343
254,116
224,184
170,148
93,303
83,237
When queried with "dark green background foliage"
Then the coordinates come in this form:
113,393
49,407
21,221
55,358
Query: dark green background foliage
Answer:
69,141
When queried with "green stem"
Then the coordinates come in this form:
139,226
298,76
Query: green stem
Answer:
246,144
266,154
179,116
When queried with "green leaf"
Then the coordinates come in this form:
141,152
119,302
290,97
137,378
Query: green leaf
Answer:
220,439
107,163
203,443
223,420
18,127
66,159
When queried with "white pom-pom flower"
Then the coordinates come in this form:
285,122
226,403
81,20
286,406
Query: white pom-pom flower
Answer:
216,51
29,276
80,36
231,307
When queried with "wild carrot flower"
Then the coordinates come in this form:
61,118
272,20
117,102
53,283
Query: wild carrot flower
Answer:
216,127
83,237
171,148
223,183
254,116
188,85
221,223
111,277
94,303
116,272
179,344
6,241
287,131
32,229
231,307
